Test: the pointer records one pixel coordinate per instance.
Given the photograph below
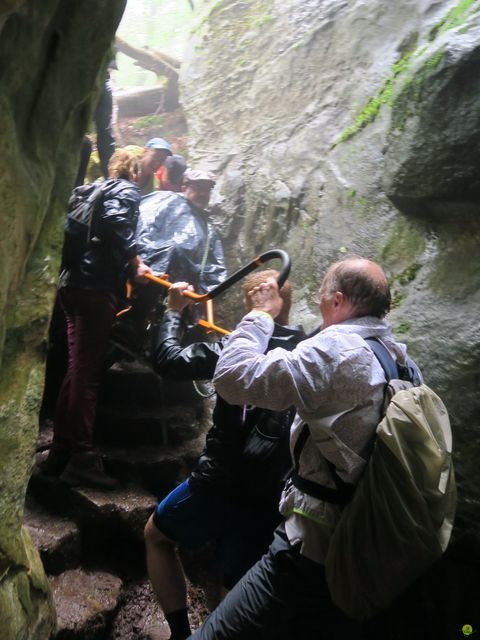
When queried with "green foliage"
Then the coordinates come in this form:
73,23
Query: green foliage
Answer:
454,18
397,297
402,327
148,121
412,91
383,96
262,21
408,274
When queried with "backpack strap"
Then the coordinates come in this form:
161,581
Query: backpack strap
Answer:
93,203
340,495
393,370
344,490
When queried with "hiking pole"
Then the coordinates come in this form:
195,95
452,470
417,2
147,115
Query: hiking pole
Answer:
207,298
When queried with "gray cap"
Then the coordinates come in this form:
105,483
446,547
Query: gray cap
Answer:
196,175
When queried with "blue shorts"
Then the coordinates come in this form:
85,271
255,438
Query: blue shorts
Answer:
240,535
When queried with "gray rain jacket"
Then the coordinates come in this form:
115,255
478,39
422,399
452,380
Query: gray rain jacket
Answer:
336,384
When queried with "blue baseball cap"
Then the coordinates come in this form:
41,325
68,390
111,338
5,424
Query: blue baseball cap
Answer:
159,143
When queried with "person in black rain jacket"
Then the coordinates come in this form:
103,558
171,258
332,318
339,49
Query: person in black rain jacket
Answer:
231,497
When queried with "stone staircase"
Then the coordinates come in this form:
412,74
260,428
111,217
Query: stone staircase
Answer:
150,432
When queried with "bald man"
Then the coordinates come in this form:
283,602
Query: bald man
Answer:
336,385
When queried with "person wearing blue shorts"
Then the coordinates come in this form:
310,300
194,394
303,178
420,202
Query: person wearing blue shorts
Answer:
230,499
225,523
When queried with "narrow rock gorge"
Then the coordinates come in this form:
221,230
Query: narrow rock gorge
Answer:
335,127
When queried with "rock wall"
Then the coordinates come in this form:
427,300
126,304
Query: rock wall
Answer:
354,126
52,56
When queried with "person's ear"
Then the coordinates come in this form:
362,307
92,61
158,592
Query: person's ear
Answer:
338,299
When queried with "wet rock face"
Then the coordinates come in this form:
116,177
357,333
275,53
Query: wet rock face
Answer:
342,127
435,127
50,55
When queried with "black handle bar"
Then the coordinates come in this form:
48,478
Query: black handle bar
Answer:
251,266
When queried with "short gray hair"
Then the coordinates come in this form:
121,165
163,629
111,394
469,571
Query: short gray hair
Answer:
369,296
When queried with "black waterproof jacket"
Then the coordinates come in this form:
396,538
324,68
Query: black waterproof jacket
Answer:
104,265
246,453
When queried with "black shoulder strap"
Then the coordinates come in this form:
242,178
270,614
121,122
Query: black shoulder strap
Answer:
299,444
343,490
94,202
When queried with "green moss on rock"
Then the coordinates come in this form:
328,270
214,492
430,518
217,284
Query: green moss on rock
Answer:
455,17
44,111
26,604
383,96
412,89
412,92
400,256
404,244
402,328
456,273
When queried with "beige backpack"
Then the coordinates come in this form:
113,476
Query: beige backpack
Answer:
401,515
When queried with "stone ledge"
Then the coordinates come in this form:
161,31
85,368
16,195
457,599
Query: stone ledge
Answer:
85,603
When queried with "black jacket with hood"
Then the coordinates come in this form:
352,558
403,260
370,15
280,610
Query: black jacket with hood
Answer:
246,453
104,264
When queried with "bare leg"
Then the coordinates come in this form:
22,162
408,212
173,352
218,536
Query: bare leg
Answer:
165,570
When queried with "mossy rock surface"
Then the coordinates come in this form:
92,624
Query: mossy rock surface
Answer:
348,127
52,59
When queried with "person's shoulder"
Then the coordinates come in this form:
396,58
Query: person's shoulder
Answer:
119,187
161,200
337,339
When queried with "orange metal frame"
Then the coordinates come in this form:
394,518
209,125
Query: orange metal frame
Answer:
209,323
207,298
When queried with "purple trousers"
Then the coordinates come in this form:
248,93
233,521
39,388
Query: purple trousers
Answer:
89,315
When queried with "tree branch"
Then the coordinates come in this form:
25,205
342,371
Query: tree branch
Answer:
151,59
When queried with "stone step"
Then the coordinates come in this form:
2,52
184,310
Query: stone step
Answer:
85,603
126,507
111,522
128,383
139,615
157,469
135,424
57,538
140,618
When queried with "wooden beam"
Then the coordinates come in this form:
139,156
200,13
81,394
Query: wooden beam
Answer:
151,59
